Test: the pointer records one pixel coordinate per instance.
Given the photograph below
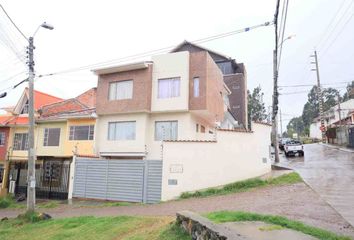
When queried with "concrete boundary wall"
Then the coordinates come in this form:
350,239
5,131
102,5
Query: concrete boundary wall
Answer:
234,156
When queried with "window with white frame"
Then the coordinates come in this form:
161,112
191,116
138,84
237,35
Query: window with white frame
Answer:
121,130
169,87
196,87
51,137
84,132
166,130
2,138
21,141
121,90
25,108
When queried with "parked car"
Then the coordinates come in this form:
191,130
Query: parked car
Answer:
282,142
292,147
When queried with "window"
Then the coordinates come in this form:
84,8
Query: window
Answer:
121,130
25,108
169,87
81,132
202,129
121,90
236,106
167,130
51,137
196,86
2,138
21,141
197,127
235,87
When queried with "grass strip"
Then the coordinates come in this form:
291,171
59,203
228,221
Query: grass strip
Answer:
228,216
245,185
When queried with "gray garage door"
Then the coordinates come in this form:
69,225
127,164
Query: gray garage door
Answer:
119,180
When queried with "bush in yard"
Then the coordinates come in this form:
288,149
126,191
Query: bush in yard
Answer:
6,201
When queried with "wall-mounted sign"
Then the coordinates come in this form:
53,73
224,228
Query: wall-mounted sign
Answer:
176,168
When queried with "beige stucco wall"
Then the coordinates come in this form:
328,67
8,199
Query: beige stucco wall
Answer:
169,66
105,145
198,165
83,147
18,155
42,150
315,131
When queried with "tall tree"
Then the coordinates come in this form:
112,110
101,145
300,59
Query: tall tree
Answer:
296,125
256,106
311,107
349,93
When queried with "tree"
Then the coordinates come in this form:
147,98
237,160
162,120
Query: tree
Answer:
296,125
256,107
349,93
311,108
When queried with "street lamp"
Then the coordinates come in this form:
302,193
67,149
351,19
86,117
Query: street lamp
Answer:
31,174
276,66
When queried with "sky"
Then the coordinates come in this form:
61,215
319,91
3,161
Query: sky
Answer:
89,32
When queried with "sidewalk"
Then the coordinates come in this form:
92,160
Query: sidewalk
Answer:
341,148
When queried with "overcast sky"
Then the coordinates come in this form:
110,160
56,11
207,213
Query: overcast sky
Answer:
88,32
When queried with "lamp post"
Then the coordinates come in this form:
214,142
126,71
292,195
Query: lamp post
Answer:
31,174
276,65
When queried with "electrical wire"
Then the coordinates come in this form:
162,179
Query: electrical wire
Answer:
282,33
13,23
152,52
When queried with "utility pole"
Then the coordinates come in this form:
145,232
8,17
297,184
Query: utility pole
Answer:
339,114
319,96
31,174
281,124
275,106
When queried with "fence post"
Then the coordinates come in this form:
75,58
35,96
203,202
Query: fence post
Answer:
71,177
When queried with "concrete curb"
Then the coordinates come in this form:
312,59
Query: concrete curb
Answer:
202,228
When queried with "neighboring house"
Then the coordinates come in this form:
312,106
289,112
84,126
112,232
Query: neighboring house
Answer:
332,118
4,136
15,121
234,75
174,96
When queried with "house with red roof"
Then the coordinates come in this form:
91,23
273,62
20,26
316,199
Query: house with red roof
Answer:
63,128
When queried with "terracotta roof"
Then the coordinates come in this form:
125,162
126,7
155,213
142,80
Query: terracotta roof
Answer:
41,99
18,121
88,98
84,104
4,119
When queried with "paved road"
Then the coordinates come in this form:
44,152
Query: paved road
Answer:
330,172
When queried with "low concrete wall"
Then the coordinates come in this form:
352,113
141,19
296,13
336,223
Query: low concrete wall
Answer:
201,228
234,156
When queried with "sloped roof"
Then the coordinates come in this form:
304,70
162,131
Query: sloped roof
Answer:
82,105
179,46
41,99
17,121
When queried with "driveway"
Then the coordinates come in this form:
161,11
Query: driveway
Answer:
330,172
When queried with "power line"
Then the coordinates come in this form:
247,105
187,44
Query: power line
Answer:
338,34
330,23
13,23
156,51
311,85
283,31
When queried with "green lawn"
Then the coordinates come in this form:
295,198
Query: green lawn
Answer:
245,185
227,216
118,228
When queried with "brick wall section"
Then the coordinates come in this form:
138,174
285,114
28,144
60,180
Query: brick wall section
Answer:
215,86
210,86
197,68
142,87
3,148
238,98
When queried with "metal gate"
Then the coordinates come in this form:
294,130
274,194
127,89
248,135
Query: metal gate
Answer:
51,178
119,180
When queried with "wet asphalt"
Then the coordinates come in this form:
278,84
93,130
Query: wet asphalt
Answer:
330,173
